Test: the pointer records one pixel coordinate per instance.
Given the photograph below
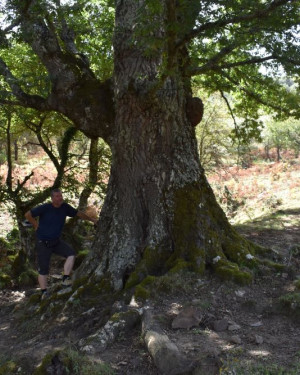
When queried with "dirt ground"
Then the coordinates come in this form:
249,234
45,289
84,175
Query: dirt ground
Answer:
240,330
261,331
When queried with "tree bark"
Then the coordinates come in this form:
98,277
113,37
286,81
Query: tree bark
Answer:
92,175
160,212
27,241
267,152
278,153
16,150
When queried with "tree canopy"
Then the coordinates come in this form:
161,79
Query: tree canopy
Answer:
227,44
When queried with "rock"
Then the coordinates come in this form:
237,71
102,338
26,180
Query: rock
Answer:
234,327
119,306
240,293
64,291
122,363
236,339
187,318
89,312
220,325
258,339
61,318
89,349
256,324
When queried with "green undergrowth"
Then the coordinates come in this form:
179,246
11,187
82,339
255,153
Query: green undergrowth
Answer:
152,287
15,267
297,284
5,264
5,280
72,362
85,293
291,302
232,272
183,280
8,368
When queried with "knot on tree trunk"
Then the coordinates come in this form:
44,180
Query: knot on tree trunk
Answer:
194,110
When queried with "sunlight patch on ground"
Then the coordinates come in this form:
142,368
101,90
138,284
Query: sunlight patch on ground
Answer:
18,296
289,288
133,302
5,328
219,341
174,308
259,353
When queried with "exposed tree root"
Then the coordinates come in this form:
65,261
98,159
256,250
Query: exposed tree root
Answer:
117,324
165,354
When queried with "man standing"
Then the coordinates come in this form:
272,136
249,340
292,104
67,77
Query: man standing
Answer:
48,229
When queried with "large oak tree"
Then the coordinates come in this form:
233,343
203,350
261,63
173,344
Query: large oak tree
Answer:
160,212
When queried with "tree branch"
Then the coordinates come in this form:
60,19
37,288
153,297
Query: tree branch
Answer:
36,128
255,60
259,14
75,91
11,103
9,177
234,121
92,177
32,101
47,150
16,22
21,184
213,61
251,94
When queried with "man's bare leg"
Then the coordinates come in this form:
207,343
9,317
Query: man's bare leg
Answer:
42,279
68,266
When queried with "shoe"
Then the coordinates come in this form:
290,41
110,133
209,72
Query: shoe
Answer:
67,281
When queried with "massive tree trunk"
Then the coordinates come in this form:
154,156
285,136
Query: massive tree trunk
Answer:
160,212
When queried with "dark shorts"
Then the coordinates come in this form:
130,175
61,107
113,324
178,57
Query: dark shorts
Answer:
46,248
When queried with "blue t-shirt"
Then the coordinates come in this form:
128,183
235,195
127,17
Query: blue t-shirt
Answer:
52,219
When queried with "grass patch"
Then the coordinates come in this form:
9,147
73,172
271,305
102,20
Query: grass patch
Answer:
181,282
8,368
74,363
82,365
291,302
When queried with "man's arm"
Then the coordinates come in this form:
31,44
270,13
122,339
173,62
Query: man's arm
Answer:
84,216
32,220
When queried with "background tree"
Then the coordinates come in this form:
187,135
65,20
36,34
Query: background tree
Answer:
282,135
159,213
14,190
214,133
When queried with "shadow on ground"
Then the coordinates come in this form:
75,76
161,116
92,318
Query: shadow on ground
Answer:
279,230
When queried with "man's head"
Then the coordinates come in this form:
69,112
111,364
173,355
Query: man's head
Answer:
56,197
